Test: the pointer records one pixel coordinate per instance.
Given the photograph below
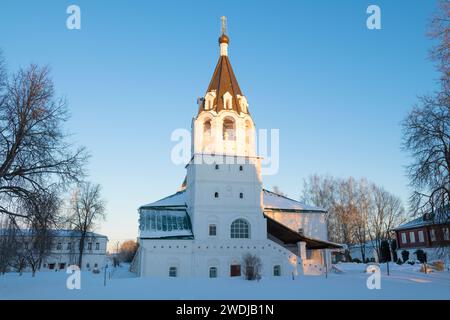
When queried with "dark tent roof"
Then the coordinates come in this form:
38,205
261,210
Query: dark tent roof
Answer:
222,81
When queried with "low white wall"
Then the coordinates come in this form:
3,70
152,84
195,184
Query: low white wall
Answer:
193,259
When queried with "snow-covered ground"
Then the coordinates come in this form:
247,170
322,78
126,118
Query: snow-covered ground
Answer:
405,282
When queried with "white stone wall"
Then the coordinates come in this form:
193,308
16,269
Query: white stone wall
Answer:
204,180
194,258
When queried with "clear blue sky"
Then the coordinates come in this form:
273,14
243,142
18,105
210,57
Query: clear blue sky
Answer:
336,90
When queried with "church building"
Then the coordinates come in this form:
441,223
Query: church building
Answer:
221,212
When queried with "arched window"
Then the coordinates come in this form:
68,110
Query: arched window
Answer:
248,131
243,103
227,101
209,100
229,129
240,229
213,272
207,128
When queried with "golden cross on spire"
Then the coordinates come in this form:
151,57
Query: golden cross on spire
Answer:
224,24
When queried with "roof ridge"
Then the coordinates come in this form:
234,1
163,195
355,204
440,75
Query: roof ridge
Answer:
279,195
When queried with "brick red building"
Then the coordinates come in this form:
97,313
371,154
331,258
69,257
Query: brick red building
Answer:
423,233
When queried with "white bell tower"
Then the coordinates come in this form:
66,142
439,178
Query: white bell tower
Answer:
224,184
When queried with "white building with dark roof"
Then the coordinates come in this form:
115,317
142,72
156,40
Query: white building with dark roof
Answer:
222,211
64,248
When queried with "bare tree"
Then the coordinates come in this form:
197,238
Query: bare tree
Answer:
252,267
426,133
387,213
34,152
20,262
363,207
8,244
43,211
426,129
440,31
321,191
358,211
127,250
87,208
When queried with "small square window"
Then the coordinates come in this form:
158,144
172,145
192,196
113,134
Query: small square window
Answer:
173,272
404,237
433,235
213,272
277,270
446,234
421,236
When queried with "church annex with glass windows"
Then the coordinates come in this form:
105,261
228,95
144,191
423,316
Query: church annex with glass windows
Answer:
221,212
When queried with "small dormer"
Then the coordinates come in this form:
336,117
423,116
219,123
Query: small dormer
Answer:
227,101
242,100
209,100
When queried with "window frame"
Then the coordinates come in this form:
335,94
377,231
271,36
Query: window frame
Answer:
240,228
215,273
212,227
446,233
229,129
277,270
421,236
173,272
403,237
432,234
412,237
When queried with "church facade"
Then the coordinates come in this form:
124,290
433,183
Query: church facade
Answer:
221,212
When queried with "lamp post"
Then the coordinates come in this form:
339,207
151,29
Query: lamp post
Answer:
104,278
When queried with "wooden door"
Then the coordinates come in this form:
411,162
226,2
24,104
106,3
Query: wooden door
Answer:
235,270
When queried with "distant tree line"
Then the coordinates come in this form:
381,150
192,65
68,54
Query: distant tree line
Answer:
359,212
